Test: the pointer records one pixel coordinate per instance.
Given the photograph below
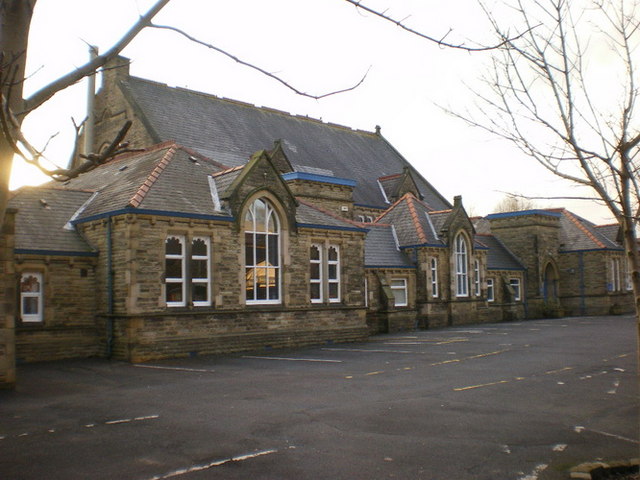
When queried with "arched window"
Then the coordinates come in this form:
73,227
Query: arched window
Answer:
262,253
462,266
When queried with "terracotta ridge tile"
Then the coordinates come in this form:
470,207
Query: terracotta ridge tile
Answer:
441,211
229,170
389,177
414,216
584,229
138,197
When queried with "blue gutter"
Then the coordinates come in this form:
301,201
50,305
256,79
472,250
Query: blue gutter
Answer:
59,253
523,213
331,227
162,213
313,177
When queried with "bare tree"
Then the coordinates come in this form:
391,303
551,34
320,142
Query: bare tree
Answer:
566,92
514,203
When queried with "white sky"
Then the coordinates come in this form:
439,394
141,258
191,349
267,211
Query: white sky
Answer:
318,46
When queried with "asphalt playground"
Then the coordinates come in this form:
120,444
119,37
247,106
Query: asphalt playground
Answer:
506,401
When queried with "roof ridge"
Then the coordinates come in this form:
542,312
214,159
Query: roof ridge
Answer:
389,177
391,207
584,229
414,216
441,211
228,170
138,197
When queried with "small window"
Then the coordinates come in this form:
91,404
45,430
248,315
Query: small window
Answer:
515,284
174,260
31,297
361,218
369,219
434,277
201,271
333,273
399,289
316,273
462,266
615,275
490,290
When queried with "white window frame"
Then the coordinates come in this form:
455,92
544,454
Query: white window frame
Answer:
179,280
39,295
517,288
434,278
401,287
317,281
270,212
615,275
462,266
330,279
476,277
206,280
491,295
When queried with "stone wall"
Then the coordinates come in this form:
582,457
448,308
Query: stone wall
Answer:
7,302
69,328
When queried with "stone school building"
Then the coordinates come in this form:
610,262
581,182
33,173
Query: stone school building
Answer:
235,227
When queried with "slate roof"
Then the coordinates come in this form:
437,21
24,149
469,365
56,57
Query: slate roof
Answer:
612,231
381,251
412,222
576,234
166,178
229,132
43,213
312,216
499,257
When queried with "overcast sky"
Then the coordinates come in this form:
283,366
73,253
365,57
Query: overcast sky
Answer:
318,46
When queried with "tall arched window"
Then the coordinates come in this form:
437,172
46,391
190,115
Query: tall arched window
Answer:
462,266
262,253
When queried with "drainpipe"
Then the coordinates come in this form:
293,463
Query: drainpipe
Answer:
583,305
109,289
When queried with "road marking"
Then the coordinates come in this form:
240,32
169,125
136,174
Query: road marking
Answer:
614,390
367,350
288,359
179,369
215,463
536,471
460,389
374,373
580,429
564,369
561,447
472,357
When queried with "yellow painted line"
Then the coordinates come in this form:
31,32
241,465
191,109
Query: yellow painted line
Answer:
551,372
460,389
453,341
445,362
374,373
349,376
488,354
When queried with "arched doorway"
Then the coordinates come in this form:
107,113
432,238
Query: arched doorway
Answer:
550,284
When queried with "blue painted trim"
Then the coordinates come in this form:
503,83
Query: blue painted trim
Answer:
161,213
523,213
605,249
58,253
396,267
313,177
331,227
371,206
438,245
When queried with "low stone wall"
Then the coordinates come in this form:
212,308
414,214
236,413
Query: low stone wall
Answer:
57,343
143,338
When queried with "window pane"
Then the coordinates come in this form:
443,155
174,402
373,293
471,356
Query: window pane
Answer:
332,272
397,283
315,291
333,290
315,271
30,305
332,254
261,249
173,268
199,292
272,226
260,212
314,253
261,283
29,284
199,269
173,246
250,275
248,248
400,296
199,248
274,284
273,250
174,292
248,221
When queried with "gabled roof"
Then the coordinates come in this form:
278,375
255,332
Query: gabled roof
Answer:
229,132
42,218
381,251
576,233
410,217
499,257
164,178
